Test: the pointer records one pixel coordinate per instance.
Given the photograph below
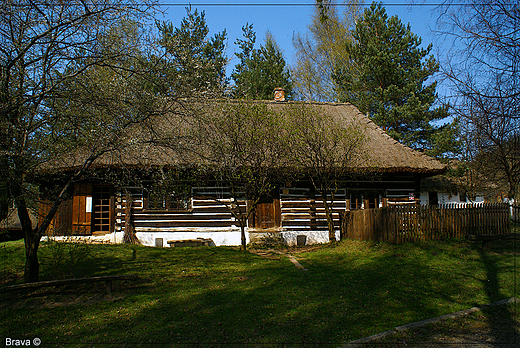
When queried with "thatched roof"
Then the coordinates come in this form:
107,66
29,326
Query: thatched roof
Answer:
384,154
12,222
381,152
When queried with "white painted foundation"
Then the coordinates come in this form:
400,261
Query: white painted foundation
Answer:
313,237
229,237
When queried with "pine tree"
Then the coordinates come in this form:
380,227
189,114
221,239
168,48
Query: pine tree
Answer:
390,82
261,70
192,59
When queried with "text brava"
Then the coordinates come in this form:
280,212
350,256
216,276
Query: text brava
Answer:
11,342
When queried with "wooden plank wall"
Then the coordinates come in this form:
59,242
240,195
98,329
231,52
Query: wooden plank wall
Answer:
295,207
301,210
339,206
205,212
408,223
298,209
61,223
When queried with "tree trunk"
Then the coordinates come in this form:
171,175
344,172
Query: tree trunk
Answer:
243,233
32,242
4,188
32,235
330,220
32,266
513,194
130,236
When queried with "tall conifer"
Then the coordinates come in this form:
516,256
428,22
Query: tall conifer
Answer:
390,80
194,60
261,70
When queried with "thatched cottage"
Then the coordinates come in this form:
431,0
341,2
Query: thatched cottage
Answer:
391,176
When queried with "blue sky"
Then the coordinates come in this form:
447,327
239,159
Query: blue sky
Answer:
286,18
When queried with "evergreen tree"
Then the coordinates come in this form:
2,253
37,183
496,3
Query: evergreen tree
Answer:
261,70
390,82
191,58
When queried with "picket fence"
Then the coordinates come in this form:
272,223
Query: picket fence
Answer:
515,213
409,223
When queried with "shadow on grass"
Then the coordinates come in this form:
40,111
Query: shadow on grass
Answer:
271,303
493,326
220,297
502,323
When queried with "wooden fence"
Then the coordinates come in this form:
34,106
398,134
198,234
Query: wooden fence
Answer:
515,213
401,223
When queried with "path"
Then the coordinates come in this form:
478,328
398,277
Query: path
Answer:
271,254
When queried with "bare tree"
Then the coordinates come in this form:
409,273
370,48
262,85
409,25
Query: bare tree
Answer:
491,143
483,70
241,146
324,149
323,49
66,84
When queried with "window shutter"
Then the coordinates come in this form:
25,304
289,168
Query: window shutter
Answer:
82,209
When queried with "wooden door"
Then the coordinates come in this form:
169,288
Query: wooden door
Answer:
267,213
82,209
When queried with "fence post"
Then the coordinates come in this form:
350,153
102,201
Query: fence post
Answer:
515,213
393,223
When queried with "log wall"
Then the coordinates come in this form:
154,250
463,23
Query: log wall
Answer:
303,210
204,212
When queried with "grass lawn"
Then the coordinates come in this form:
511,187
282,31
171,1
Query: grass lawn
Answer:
212,297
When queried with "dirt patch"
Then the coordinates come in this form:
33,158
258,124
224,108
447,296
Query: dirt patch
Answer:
303,249
276,254
267,253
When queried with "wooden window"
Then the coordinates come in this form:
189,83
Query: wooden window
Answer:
365,199
102,210
356,200
162,199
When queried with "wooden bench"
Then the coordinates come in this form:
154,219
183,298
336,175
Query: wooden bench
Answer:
36,285
484,238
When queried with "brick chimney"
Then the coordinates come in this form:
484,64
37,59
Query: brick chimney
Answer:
279,94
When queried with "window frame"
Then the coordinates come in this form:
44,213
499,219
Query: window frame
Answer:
167,205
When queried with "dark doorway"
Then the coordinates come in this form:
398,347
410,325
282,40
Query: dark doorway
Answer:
433,198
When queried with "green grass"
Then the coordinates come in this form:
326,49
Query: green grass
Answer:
215,297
